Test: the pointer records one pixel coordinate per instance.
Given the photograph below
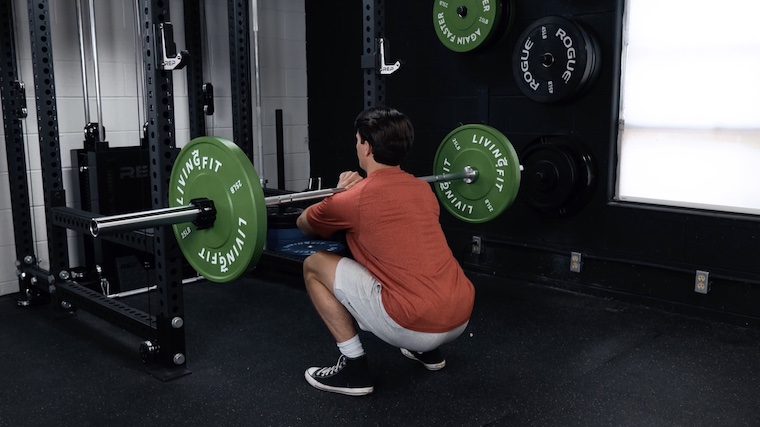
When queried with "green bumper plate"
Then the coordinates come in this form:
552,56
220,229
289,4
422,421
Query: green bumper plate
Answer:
465,25
488,151
217,169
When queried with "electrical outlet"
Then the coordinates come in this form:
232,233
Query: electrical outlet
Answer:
575,262
702,282
476,245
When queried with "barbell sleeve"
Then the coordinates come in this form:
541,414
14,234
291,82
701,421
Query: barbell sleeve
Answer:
144,219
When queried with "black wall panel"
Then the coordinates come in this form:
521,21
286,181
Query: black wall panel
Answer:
333,53
633,250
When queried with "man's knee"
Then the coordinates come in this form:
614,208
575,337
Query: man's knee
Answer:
312,263
320,265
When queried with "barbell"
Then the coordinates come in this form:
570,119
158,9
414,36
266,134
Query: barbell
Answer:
218,210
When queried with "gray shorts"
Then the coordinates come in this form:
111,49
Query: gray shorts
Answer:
360,293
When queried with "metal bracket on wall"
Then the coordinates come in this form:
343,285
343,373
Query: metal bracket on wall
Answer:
385,68
375,60
170,59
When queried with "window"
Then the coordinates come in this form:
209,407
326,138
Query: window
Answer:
690,105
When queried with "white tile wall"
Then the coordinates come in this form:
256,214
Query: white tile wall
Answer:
283,86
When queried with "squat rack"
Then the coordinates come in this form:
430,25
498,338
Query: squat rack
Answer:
163,332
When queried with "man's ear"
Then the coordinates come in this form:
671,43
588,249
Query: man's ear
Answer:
366,148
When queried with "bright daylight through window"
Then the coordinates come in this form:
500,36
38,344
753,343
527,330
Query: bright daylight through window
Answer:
690,105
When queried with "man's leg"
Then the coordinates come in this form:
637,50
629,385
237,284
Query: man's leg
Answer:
350,375
319,277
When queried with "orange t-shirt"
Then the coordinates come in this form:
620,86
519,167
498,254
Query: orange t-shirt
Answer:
392,228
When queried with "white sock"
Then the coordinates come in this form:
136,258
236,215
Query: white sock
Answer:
351,348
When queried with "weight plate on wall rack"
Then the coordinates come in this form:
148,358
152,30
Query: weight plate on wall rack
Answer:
470,25
558,175
555,59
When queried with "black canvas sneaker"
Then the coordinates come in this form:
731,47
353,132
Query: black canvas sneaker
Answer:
433,359
348,376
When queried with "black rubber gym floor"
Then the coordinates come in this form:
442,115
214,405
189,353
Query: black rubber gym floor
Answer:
531,355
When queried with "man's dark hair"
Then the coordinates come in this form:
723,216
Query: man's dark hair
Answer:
389,133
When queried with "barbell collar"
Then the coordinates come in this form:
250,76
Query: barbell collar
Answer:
206,215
